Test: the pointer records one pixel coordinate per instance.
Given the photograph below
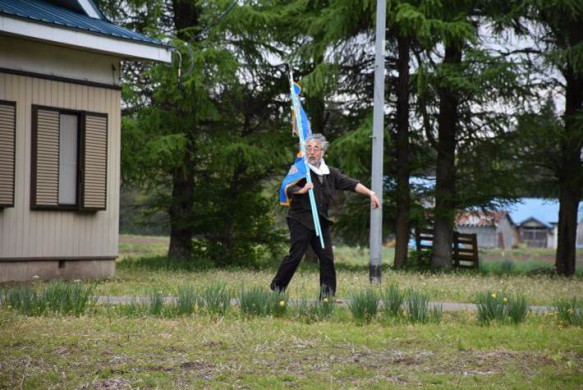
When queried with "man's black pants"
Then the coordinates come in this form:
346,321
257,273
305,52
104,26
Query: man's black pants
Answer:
301,237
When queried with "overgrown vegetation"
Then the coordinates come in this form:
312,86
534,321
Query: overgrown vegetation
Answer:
363,305
418,309
55,297
260,302
570,311
216,300
502,307
177,330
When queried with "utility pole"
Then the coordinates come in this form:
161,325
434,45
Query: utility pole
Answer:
376,215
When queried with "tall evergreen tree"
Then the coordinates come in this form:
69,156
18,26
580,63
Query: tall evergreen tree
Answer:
456,84
208,142
562,45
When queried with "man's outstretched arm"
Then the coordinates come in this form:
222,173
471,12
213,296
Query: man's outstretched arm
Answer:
374,200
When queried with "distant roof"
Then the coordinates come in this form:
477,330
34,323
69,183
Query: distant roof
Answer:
76,16
544,210
480,218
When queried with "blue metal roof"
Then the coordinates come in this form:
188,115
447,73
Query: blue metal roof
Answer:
43,12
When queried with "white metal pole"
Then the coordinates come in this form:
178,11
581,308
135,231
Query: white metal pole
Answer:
376,215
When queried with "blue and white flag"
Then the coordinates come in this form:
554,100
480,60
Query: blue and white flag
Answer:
300,169
306,130
302,129
296,173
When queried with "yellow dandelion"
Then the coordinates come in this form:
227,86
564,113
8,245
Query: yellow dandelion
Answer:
504,299
325,300
282,303
494,295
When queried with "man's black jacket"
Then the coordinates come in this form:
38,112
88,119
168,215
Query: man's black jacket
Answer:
324,188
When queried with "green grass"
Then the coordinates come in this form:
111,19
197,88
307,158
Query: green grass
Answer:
134,275
452,287
196,352
302,345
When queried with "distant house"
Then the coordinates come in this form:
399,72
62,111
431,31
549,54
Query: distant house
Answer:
533,223
536,234
493,229
60,122
536,221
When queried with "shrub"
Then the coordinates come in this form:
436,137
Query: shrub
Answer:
570,311
418,307
214,299
501,307
258,302
56,297
419,260
155,303
392,301
24,300
364,305
186,301
517,308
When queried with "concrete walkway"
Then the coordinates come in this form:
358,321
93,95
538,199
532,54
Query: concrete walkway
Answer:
445,306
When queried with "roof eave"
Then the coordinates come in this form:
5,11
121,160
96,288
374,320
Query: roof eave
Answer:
122,48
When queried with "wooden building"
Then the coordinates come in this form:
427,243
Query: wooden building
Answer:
493,229
60,114
536,234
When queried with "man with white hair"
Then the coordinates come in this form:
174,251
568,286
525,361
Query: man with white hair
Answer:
325,181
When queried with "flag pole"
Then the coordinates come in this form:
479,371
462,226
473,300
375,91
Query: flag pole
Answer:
298,119
376,215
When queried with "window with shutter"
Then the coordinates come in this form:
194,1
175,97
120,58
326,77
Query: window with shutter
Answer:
7,152
69,160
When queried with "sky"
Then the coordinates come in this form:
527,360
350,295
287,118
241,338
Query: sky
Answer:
546,211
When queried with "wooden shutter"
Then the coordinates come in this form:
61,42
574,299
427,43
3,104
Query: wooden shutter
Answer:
45,158
94,162
7,152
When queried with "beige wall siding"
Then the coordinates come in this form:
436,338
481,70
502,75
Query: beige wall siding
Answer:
26,233
100,68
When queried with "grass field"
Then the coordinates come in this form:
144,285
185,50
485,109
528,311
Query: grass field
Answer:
135,274
107,349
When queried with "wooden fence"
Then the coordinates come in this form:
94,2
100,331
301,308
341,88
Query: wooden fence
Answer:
464,252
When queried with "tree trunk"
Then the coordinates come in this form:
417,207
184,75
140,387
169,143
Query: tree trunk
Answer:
402,227
180,212
570,175
566,247
445,167
186,14
227,237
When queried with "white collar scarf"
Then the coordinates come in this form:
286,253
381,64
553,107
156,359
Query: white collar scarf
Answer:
323,170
